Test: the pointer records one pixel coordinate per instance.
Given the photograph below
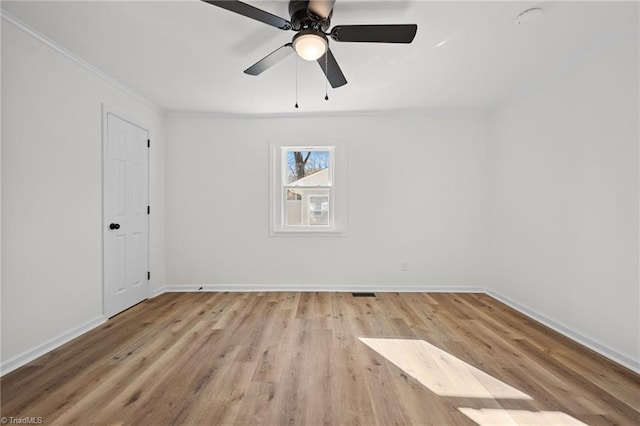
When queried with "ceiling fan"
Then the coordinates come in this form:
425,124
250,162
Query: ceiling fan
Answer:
310,19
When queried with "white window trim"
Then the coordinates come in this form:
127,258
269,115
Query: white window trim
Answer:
338,193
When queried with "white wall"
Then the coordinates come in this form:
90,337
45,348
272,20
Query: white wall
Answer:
554,207
52,191
416,185
564,202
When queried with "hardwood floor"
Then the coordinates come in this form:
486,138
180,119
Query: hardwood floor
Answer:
322,358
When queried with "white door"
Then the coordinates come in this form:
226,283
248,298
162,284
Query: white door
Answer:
126,219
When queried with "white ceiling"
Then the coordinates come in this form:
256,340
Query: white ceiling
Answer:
190,56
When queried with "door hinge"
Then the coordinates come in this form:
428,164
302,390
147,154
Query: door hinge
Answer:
148,275
148,209
148,143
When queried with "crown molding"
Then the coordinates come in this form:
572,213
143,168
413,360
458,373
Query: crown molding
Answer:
17,23
399,113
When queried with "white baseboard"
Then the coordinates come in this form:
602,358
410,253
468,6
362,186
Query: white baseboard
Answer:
590,343
403,288
157,292
49,345
567,331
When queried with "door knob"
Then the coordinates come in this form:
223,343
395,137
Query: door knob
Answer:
114,226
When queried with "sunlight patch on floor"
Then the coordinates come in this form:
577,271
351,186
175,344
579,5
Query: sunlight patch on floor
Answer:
441,372
501,417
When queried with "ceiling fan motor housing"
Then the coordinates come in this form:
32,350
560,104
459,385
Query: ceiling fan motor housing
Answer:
311,20
302,18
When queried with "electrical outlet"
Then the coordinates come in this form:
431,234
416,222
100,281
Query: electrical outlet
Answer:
405,266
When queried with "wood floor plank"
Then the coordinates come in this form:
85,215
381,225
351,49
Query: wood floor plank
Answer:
298,359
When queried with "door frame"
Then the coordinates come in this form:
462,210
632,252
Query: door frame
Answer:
106,110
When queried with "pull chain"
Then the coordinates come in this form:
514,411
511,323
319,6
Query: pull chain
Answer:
326,80
296,81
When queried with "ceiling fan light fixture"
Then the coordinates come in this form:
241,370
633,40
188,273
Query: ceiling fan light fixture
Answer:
310,45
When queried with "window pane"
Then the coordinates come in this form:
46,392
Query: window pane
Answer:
319,210
308,168
293,209
307,207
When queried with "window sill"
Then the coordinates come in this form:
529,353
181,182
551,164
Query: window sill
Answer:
307,232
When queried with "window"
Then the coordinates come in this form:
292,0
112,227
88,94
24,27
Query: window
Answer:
307,189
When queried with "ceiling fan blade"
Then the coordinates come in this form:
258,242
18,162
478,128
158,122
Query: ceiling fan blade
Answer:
321,8
375,33
252,12
270,60
332,70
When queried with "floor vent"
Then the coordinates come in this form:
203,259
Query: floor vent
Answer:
363,294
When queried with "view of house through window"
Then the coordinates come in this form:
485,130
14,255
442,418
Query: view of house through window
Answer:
308,187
